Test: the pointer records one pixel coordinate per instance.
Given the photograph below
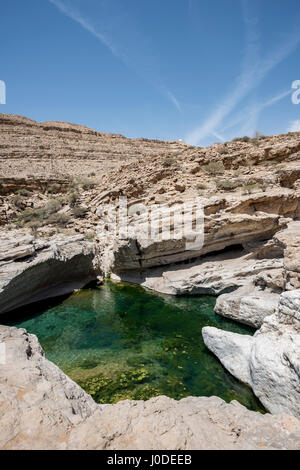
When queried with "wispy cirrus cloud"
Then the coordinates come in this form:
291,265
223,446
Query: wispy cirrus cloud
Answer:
132,59
249,115
75,15
174,100
254,70
294,126
218,136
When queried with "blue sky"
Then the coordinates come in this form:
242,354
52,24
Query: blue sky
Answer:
203,71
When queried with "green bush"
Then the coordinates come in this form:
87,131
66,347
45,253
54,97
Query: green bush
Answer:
53,206
223,151
201,186
227,185
215,168
24,192
73,198
34,225
79,212
90,236
246,138
168,161
59,219
30,215
86,184
18,202
250,188
43,216
54,188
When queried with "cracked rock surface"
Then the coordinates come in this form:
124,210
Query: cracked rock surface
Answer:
270,360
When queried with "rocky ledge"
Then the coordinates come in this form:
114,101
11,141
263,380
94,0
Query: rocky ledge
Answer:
243,239
270,361
41,408
34,269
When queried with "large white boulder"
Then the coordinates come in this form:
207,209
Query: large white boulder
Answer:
270,360
248,305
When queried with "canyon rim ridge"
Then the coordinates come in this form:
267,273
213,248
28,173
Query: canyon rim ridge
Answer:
54,176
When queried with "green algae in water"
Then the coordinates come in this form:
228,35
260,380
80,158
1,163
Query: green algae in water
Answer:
121,341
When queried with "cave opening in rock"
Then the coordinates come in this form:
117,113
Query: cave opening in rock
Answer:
233,251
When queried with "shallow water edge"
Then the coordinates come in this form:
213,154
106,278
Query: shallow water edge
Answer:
121,341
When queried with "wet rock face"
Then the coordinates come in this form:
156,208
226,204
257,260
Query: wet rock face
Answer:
33,270
41,408
270,361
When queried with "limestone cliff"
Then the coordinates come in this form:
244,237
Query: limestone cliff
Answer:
55,179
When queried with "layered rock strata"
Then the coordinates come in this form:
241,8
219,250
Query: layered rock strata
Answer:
249,190
32,270
30,148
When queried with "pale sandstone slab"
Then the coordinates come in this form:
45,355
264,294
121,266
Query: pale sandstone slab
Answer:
210,275
247,305
270,361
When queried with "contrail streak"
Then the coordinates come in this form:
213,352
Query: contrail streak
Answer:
76,16
253,73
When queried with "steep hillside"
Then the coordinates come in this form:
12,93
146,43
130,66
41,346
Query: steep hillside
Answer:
85,168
